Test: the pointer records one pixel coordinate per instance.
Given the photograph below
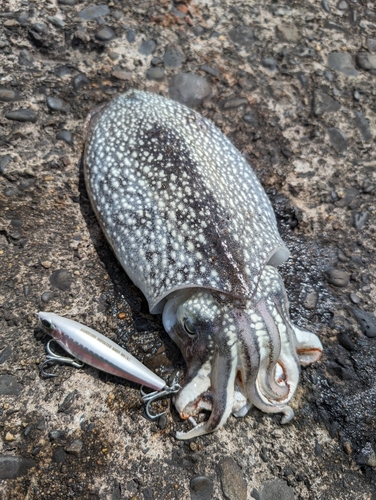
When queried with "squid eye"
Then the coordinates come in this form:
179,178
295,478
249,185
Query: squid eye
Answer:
47,324
189,327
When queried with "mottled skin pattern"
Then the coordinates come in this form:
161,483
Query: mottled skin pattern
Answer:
195,231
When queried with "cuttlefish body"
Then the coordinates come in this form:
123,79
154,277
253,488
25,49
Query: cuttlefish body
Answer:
194,230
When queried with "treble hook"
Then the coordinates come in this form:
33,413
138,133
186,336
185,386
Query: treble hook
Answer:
149,398
54,357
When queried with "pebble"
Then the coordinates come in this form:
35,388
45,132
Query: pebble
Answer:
343,62
156,73
347,196
25,58
368,184
325,5
338,139
288,32
61,279
90,13
337,277
371,44
75,447
343,5
242,35
22,115
59,455
105,34
367,456
189,89
366,61
270,63
346,342
9,95
355,299
131,36
156,61
234,102
66,136
251,119
57,104
47,296
5,354
147,47
366,321
202,488
208,69
56,434
323,103
276,489
67,403
234,485
4,162
310,300
360,218
362,125
9,386
67,2
12,467
80,81
56,21
173,56
9,437
122,75
347,448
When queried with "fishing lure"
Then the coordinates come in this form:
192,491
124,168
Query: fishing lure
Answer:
88,346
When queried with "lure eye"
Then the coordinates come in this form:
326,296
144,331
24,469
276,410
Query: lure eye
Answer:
46,324
189,327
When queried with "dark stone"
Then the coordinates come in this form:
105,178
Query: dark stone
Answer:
16,222
25,58
12,467
59,455
366,321
323,103
22,115
67,2
105,34
362,124
157,74
276,489
346,342
9,386
56,104
80,81
67,403
325,5
55,435
371,44
61,279
234,485
131,36
349,196
75,447
337,277
47,296
56,21
269,63
234,102
173,57
66,136
201,488
251,119
360,218
367,456
208,69
241,35
189,89
5,354
338,139
90,13
147,47
255,494
310,300
9,95
4,162
343,62
317,449
156,61
366,61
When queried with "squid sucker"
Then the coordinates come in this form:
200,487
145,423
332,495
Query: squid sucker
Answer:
193,228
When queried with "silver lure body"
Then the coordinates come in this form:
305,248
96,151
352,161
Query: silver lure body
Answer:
94,349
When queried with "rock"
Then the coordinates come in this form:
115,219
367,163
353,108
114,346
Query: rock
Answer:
157,74
201,488
338,139
156,61
288,33
22,115
9,386
125,76
66,136
234,485
173,56
368,184
75,447
366,320
310,300
362,125
56,434
276,489
147,47
343,62
131,36
355,299
9,95
251,119
61,279
5,354
346,342
337,277
208,69
80,81
90,13
323,103
371,44
105,34
242,35
347,196
57,104
189,89
367,456
56,21
366,61
12,467
360,218
343,5
59,455
47,296
25,58
4,162
269,63
234,102
67,403
325,5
